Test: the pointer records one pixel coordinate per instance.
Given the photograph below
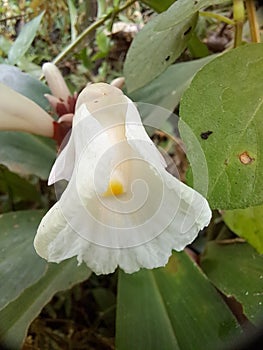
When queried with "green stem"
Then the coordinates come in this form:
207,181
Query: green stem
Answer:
91,28
239,16
253,23
217,17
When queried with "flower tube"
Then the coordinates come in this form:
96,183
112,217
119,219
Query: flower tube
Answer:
120,207
61,100
18,113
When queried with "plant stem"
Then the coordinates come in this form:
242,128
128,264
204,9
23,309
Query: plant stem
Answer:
252,18
11,17
88,30
239,16
217,17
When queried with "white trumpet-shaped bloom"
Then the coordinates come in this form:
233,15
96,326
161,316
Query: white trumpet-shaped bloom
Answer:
120,207
55,81
19,113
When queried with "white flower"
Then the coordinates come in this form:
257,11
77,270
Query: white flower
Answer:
118,82
120,207
56,82
18,113
61,100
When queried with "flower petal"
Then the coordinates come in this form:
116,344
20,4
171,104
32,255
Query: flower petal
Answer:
19,113
94,105
56,241
108,233
138,138
100,95
118,82
140,225
56,81
85,128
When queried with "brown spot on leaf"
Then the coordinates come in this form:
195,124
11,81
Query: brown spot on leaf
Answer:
204,135
245,158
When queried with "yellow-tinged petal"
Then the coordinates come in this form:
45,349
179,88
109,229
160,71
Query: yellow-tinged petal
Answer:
115,188
19,113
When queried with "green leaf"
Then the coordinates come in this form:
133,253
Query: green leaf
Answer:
161,41
5,45
166,90
20,266
247,223
153,50
142,320
237,270
221,125
159,6
24,84
167,308
197,48
73,19
17,316
27,154
17,187
182,9
103,41
24,40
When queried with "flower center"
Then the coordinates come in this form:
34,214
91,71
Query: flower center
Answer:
115,188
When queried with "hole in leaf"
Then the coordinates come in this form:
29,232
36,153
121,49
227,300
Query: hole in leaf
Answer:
187,31
204,135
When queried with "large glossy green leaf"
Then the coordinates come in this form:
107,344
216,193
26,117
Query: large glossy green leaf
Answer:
27,154
166,90
247,223
221,125
161,41
171,308
17,187
237,270
24,40
142,320
153,50
17,231
17,316
159,6
182,9
25,84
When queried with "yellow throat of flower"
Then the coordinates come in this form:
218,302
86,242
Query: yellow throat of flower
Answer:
115,188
